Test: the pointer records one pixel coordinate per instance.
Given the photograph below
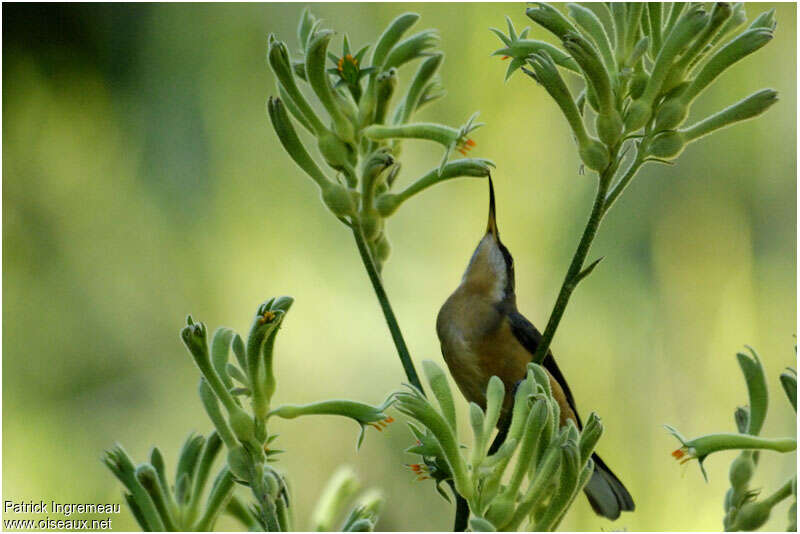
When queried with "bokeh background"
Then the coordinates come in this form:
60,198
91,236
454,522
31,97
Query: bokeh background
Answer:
142,181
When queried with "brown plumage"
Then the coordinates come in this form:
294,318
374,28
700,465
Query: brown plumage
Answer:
483,334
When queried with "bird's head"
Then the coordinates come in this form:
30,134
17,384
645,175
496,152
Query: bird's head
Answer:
491,268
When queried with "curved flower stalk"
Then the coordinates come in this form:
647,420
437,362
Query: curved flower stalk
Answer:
551,464
643,66
158,505
742,509
242,428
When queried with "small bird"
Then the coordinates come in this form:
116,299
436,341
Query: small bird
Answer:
483,334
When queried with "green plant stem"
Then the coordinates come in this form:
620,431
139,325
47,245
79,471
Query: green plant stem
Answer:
383,299
266,508
574,271
623,182
462,509
780,494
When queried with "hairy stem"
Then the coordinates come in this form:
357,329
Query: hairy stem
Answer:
574,271
383,299
265,506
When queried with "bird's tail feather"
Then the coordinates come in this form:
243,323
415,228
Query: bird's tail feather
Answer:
606,493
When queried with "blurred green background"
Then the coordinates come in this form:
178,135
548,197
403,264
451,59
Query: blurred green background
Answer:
142,181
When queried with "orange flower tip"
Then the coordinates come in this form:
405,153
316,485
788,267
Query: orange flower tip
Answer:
470,142
390,419
505,58
678,454
340,64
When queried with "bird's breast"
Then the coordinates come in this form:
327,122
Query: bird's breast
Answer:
477,343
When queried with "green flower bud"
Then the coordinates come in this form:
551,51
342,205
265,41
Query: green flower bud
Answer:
589,437
667,145
738,17
792,512
728,502
502,509
239,462
685,30
747,108
739,48
410,48
271,482
671,114
765,20
383,250
278,57
319,80
441,390
242,425
741,471
390,36
339,155
638,114
211,405
551,19
340,200
750,364
609,127
752,515
720,13
291,142
424,74
147,476
386,83
594,155
587,56
371,224
587,20
305,27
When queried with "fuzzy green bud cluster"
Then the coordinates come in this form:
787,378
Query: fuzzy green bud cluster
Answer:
743,510
366,120
223,388
183,504
546,464
643,67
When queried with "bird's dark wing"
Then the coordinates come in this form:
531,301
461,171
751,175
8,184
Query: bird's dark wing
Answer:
529,337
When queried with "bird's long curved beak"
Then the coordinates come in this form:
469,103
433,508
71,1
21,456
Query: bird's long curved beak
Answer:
491,225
